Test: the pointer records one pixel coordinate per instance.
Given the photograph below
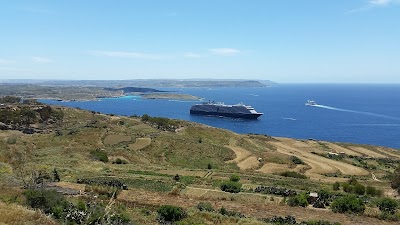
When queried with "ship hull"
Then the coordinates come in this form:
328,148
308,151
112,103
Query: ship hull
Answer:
233,115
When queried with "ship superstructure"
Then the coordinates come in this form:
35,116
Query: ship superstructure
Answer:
220,109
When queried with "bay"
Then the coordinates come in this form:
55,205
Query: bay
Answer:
356,113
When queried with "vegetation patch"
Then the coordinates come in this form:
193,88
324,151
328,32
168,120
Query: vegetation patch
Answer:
99,155
293,174
114,139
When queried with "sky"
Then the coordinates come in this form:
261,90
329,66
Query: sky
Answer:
286,41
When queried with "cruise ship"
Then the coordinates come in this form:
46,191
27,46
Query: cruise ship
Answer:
220,109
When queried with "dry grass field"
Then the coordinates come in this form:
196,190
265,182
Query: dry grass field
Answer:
19,215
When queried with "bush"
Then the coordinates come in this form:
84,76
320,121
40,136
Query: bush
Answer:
372,191
296,160
293,174
171,213
49,201
205,206
299,200
120,161
396,180
336,186
347,187
234,178
348,204
231,186
388,205
226,212
99,155
320,222
359,189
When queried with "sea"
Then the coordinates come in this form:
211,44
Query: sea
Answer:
354,113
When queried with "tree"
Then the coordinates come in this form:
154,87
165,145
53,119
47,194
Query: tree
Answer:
209,166
348,204
396,179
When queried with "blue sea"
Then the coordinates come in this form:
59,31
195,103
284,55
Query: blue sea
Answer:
357,113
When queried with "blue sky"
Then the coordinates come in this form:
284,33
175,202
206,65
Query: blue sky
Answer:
307,41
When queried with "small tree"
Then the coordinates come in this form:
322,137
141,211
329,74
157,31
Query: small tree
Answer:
209,166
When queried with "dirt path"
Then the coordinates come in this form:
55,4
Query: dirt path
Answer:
244,158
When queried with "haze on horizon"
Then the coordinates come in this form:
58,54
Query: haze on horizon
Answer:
305,41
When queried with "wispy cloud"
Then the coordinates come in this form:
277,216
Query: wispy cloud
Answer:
120,54
224,51
6,61
374,4
42,60
194,55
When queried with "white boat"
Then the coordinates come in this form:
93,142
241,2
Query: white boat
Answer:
311,103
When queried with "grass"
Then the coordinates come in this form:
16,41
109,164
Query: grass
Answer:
150,185
16,214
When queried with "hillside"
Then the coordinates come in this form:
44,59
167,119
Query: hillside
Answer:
157,161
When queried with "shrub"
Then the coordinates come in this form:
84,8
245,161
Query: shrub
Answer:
359,189
209,166
349,204
120,161
226,212
234,178
293,174
336,186
99,155
205,206
347,187
320,222
396,180
231,186
171,213
388,205
49,201
299,200
372,191
296,160
177,177
56,176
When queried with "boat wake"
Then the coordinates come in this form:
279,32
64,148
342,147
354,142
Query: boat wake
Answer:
358,112
288,118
